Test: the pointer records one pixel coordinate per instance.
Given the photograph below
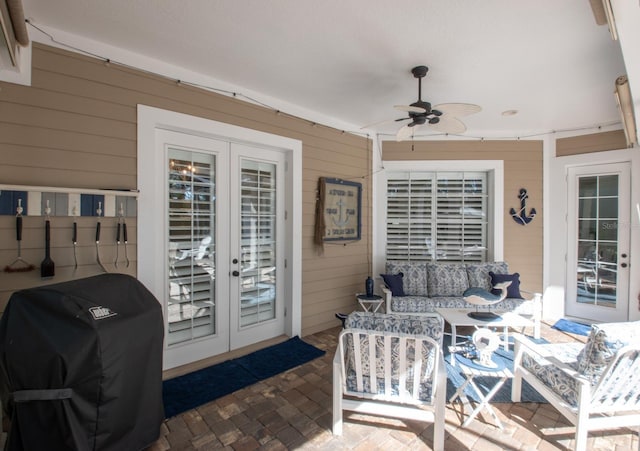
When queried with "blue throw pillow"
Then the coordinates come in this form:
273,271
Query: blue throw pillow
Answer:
394,283
513,290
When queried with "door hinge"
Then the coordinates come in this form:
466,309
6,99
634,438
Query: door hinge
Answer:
286,215
285,311
285,263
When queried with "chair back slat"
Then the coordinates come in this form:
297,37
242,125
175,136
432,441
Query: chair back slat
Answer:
373,373
402,367
387,367
357,355
417,369
619,386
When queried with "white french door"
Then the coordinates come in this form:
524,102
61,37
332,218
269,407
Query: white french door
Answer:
598,243
224,208
256,237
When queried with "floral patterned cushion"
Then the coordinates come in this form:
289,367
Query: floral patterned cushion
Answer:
414,280
431,326
422,304
446,279
603,342
557,380
478,273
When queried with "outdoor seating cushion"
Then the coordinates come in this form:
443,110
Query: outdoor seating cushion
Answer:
414,280
417,304
603,342
431,326
446,279
513,290
395,283
478,273
557,380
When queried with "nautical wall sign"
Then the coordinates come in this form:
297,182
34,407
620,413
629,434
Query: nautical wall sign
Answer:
520,216
338,210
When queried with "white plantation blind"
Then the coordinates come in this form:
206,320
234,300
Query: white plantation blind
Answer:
191,309
435,216
258,246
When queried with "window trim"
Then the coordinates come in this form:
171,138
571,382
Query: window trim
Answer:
495,191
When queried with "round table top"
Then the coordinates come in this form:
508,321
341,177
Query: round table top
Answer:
364,297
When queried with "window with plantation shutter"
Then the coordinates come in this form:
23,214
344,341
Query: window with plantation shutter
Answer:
437,216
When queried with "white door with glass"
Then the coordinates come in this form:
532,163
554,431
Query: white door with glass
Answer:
598,243
223,211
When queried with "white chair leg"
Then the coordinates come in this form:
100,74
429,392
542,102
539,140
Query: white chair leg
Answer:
337,400
582,420
516,386
438,424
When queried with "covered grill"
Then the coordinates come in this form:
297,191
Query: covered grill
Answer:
81,365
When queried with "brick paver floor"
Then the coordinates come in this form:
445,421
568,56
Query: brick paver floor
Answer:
293,411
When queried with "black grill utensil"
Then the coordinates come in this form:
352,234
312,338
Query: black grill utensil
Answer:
47,267
99,211
19,264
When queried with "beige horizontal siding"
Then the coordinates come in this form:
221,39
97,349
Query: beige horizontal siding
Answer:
76,127
595,142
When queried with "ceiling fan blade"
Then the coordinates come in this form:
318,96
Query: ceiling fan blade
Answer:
449,124
385,122
410,109
404,132
458,109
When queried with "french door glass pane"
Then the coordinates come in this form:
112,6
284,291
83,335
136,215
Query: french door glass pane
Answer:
258,242
597,240
192,206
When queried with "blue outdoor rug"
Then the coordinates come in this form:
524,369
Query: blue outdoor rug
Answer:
194,389
566,325
485,383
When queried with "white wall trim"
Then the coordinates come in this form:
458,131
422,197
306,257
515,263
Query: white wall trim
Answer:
20,74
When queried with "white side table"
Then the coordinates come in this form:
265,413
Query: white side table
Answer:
370,303
471,371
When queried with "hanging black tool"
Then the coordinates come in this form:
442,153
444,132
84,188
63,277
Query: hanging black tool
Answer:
99,211
119,227
75,244
47,267
117,243
19,264
124,237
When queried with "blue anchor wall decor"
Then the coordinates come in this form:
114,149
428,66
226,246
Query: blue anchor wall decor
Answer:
520,216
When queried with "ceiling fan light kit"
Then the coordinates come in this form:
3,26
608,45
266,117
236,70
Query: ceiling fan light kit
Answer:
442,117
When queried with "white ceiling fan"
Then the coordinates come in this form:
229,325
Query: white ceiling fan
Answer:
442,117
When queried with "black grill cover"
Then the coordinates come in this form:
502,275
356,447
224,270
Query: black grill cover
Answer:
81,365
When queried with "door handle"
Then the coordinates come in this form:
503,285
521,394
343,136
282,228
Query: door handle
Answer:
235,273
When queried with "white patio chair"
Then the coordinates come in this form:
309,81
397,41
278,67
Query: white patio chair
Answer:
395,371
595,386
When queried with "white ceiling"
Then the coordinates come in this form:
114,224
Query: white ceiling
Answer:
351,59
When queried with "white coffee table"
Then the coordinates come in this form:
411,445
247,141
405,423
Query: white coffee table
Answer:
459,317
